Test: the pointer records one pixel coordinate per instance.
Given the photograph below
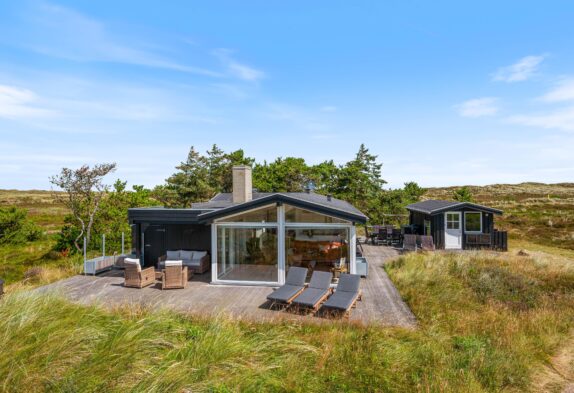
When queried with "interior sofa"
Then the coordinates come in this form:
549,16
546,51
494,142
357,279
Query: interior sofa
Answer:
197,261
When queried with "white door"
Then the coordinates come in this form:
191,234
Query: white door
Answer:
452,230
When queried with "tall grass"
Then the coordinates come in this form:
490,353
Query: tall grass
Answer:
486,321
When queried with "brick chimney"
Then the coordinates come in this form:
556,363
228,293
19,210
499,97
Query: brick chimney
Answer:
242,185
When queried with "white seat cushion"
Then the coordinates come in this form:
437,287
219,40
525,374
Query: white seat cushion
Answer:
186,255
133,261
173,263
173,255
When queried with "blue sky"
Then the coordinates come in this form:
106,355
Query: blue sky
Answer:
445,93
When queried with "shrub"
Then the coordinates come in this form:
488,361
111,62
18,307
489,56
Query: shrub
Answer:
16,228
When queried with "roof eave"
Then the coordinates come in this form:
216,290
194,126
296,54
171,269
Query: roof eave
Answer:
280,197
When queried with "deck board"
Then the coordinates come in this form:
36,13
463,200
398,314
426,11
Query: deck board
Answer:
381,302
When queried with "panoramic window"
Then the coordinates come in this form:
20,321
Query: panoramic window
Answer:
473,222
295,214
263,215
247,254
453,221
323,249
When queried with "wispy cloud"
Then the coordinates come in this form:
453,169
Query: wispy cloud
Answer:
478,107
65,33
564,91
329,108
237,69
522,70
562,119
18,103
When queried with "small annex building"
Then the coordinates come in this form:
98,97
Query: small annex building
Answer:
457,225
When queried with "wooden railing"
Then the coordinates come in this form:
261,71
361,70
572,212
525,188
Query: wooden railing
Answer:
497,240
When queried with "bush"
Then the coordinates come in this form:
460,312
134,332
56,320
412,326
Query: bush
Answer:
16,228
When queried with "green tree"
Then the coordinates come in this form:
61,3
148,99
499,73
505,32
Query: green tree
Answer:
463,194
16,228
189,184
288,174
84,189
360,182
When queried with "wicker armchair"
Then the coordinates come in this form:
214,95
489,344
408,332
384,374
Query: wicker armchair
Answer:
136,277
174,277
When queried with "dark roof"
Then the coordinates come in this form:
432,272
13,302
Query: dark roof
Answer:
164,215
433,206
222,204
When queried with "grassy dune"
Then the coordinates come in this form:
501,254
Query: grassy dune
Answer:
487,322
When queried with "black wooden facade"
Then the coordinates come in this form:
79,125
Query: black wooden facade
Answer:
421,214
154,231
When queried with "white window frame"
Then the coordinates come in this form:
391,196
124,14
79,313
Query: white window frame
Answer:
460,219
473,232
281,227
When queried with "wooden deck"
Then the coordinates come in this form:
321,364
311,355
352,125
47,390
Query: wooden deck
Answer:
381,302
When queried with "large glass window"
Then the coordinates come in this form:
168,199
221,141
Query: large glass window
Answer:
324,249
263,215
247,254
295,214
473,222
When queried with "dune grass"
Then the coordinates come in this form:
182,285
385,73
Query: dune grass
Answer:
486,322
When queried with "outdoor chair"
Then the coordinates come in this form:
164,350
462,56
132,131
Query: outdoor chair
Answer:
410,243
389,233
294,285
346,294
427,243
318,290
135,276
174,276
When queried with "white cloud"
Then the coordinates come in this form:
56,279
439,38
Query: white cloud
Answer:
562,119
564,91
65,33
236,69
478,107
17,103
522,70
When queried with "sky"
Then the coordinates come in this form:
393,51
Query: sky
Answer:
443,92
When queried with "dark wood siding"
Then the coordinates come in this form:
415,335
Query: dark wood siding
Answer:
437,229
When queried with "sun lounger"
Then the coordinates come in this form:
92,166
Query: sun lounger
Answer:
346,294
318,290
427,244
294,285
410,242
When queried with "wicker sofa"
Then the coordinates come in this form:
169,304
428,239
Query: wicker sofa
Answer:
197,261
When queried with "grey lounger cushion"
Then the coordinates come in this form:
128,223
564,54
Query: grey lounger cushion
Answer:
346,293
284,293
317,289
294,283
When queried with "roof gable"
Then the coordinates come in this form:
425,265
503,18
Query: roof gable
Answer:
310,201
434,206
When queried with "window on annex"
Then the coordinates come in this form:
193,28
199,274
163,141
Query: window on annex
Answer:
295,214
262,215
473,222
427,227
323,249
247,254
453,220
